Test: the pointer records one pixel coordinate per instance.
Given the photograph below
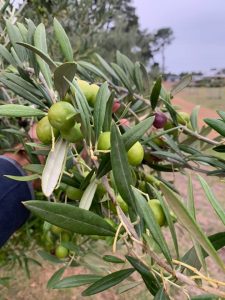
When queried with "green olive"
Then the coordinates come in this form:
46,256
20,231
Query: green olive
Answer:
61,115
72,135
89,90
104,141
44,131
74,193
135,154
157,211
183,118
61,252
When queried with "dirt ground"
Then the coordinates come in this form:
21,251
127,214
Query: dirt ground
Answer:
35,287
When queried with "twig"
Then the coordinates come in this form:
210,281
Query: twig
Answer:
199,136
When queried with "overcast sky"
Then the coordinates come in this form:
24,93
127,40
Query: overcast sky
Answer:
199,30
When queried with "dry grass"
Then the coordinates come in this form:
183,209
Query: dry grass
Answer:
213,98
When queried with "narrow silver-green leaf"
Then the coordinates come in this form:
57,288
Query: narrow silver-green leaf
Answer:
55,278
108,113
49,257
217,125
155,93
113,259
191,209
76,280
148,277
194,118
23,31
23,178
191,258
138,77
168,219
123,77
63,40
107,282
189,223
66,70
41,43
146,213
107,67
126,287
7,55
221,114
88,195
15,37
93,69
52,170
212,199
40,53
17,110
181,85
126,64
100,108
133,134
24,84
70,217
120,167
161,295
22,92
30,41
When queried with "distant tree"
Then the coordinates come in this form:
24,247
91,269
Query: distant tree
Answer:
101,26
163,38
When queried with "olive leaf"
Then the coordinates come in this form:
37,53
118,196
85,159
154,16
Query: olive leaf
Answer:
17,110
52,170
66,70
71,218
63,40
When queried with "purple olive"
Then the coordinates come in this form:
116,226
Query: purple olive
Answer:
160,120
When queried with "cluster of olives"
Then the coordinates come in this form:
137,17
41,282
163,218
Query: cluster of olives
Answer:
53,237
61,120
61,117
135,154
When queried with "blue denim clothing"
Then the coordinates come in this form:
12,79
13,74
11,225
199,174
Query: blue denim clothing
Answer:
13,214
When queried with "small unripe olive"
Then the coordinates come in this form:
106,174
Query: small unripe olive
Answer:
74,193
135,154
183,118
61,115
104,141
73,134
44,131
89,90
61,252
157,211
151,179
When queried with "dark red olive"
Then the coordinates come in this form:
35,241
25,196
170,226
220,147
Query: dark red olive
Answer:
160,120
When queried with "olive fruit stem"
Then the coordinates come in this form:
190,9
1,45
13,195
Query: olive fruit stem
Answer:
116,237
53,139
